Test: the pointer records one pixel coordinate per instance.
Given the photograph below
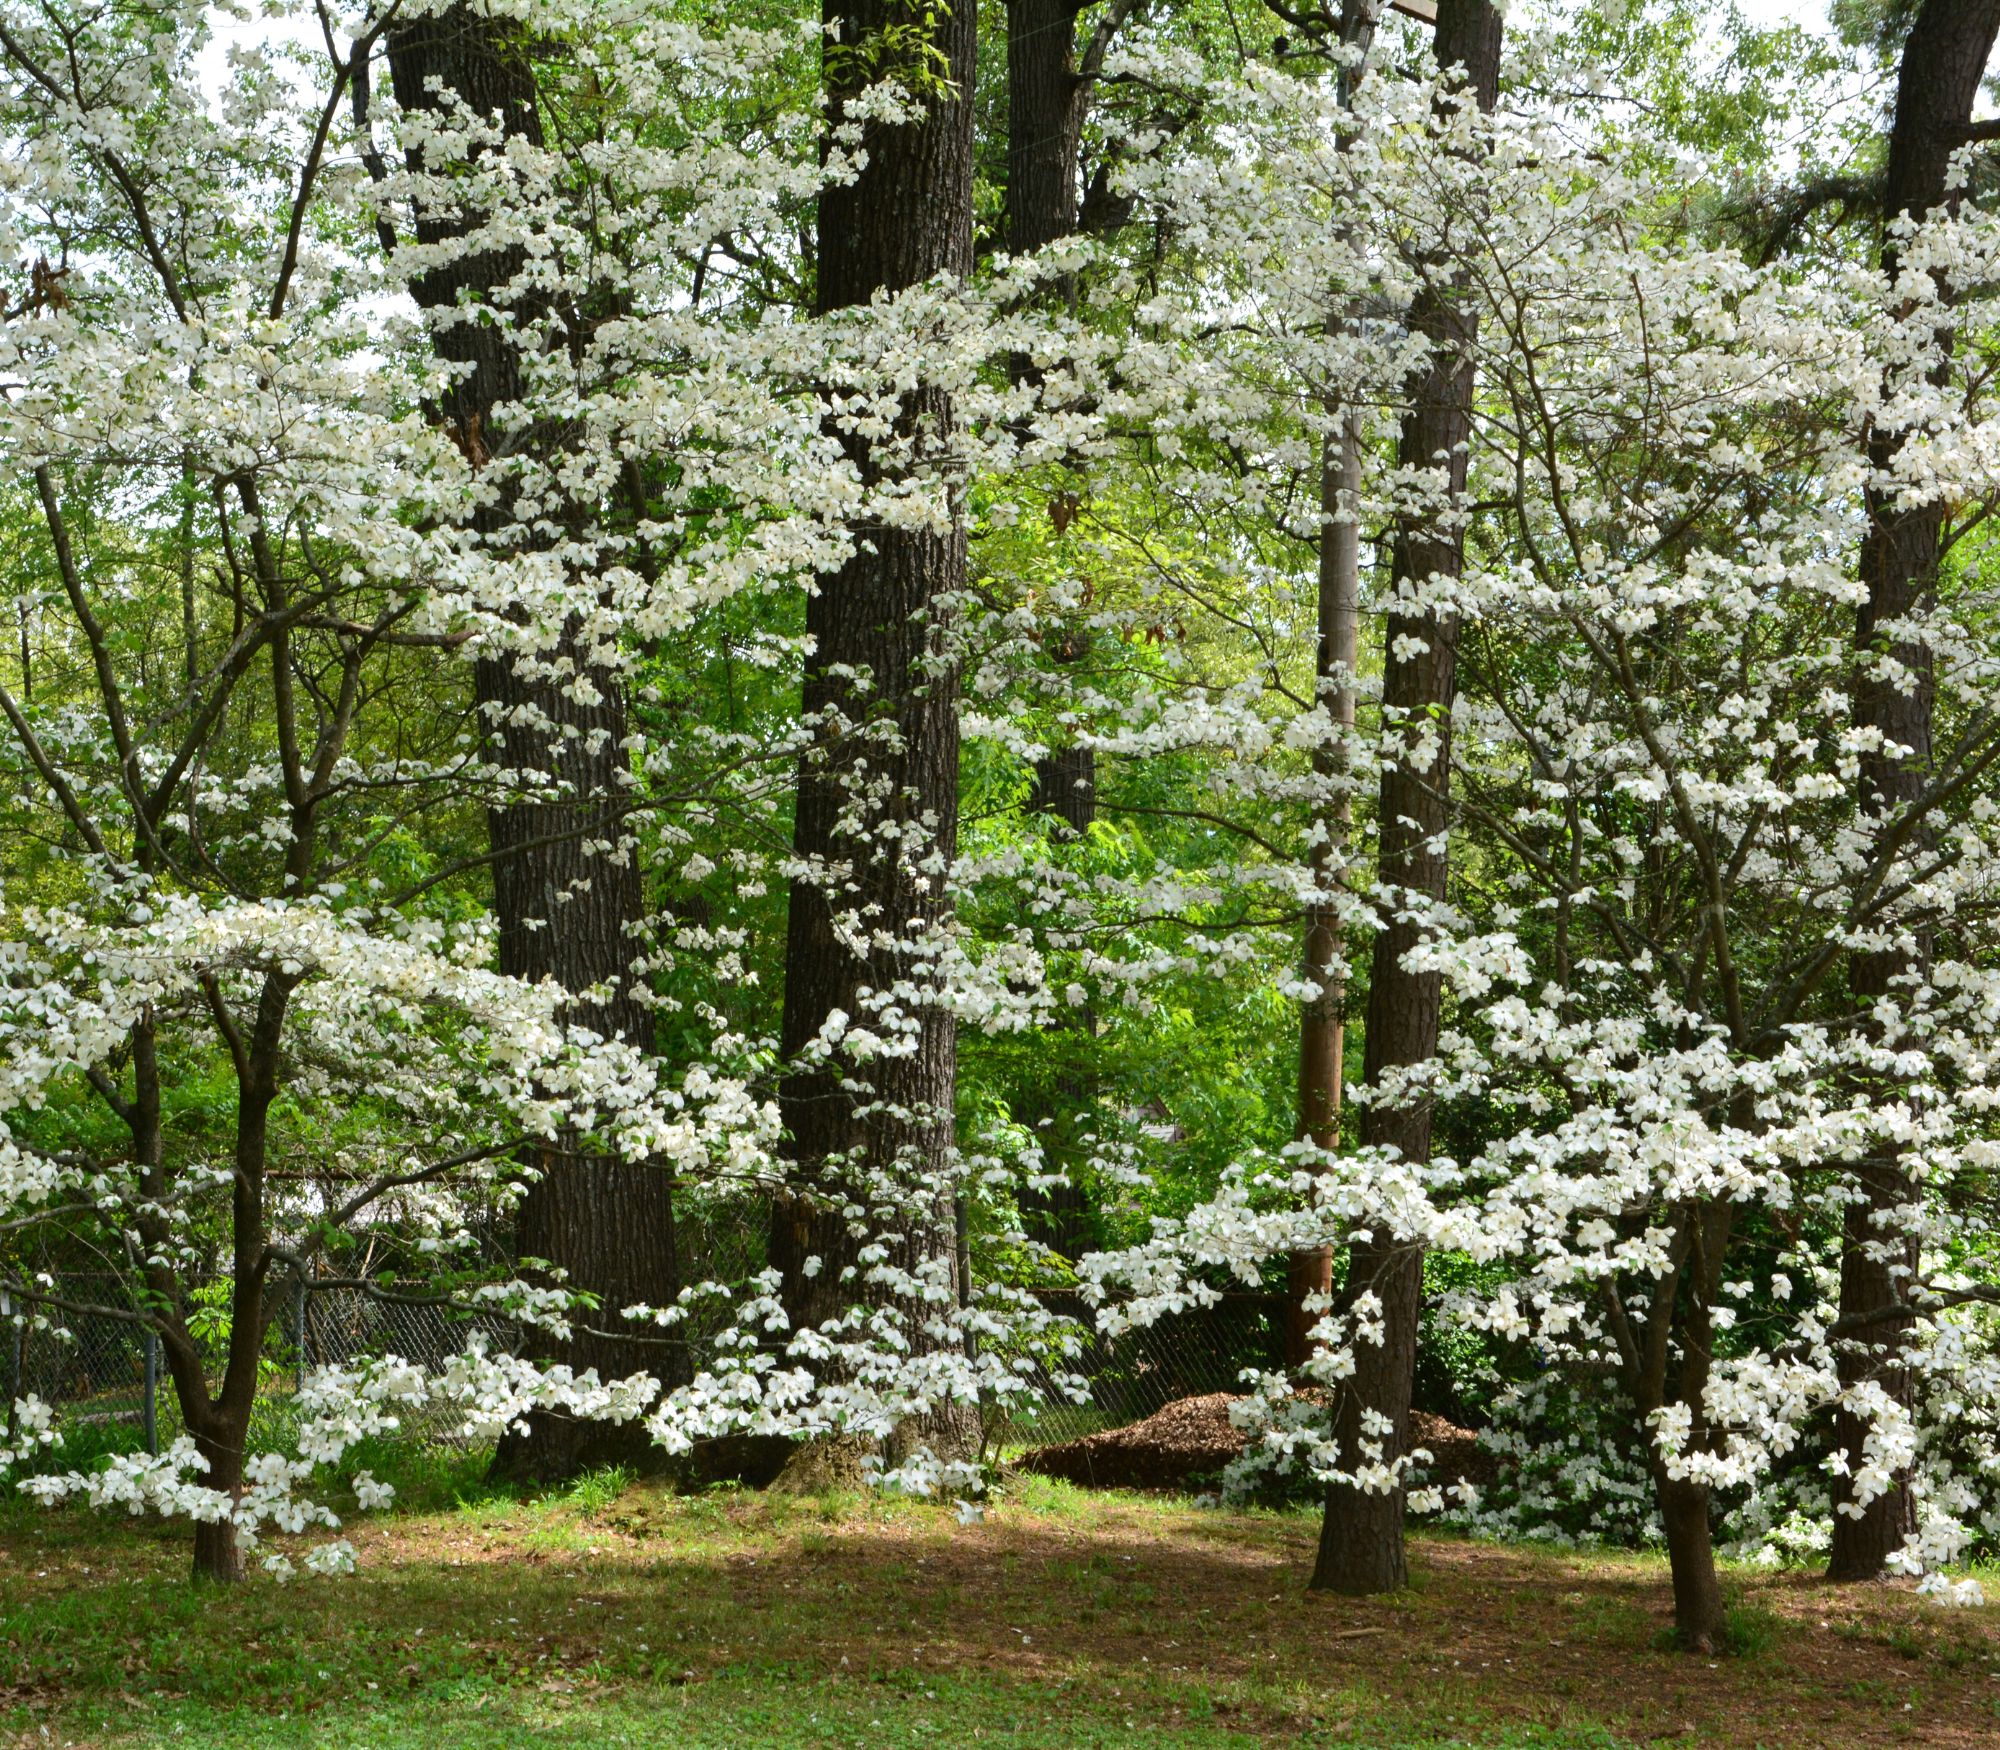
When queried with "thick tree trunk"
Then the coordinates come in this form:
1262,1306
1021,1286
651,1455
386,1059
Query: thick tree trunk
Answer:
221,1435
572,914
1047,98
1361,1538
218,1555
1045,108
1878,1260
566,912
883,679
1944,60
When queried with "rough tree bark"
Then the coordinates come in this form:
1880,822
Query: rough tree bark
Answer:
1323,1016
565,912
1361,1536
884,616
1049,86
1944,59
1045,105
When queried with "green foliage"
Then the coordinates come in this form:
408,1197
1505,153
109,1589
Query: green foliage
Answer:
428,1476
906,49
594,1491
89,1444
1460,1370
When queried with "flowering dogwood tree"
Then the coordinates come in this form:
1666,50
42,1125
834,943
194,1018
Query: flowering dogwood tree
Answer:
253,607
1657,761
216,383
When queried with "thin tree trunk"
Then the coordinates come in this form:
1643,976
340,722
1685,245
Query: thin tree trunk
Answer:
1944,59
190,623
1323,1016
220,1421
1678,1374
1048,96
1698,1611
566,912
884,616
1060,1216
1361,1537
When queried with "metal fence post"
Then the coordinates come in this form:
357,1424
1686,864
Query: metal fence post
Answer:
150,1410
299,1333
17,1343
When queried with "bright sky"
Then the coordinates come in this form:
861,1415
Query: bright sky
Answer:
1770,12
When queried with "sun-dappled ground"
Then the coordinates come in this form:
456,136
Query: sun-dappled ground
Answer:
629,1616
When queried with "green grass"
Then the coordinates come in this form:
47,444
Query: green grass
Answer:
756,1709
607,1614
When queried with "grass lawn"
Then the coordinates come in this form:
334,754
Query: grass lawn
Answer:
631,1617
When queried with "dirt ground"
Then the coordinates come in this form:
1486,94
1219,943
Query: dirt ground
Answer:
1194,1625
1487,1634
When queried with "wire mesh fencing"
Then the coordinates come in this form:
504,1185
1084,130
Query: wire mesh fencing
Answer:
96,1361
1129,1376
93,1358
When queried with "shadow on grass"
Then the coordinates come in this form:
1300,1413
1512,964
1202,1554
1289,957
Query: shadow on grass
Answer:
609,1615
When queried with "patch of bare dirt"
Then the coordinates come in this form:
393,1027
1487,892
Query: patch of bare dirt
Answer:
1178,1614
1191,1439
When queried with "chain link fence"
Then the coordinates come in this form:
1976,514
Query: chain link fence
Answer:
99,1366
96,1365
1183,1355
104,1370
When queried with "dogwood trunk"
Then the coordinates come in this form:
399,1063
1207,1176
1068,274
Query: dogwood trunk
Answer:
1361,1538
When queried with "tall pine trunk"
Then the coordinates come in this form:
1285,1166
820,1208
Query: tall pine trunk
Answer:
1046,96
566,911
1944,59
1323,1015
1361,1536
883,684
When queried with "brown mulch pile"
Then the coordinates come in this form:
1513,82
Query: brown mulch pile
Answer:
1456,1455
1192,1438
